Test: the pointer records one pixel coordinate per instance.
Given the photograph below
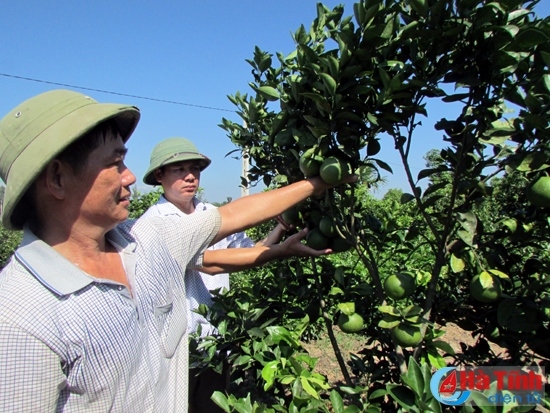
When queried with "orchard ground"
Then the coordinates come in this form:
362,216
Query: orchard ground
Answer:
349,344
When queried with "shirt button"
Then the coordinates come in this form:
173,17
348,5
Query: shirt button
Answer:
120,287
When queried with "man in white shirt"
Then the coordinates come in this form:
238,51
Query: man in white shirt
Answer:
176,165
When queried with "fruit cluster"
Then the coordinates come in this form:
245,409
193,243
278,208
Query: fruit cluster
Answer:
407,333
322,233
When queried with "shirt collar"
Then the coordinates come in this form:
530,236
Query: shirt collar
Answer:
53,270
197,203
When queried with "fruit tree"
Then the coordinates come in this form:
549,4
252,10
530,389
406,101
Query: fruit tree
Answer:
362,82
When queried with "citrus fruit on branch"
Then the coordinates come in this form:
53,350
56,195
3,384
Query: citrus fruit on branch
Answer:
538,192
316,240
399,286
350,323
291,216
310,162
406,334
488,293
334,169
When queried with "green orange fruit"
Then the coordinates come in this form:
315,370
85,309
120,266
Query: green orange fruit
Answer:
291,216
284,138
334,169
315,217
406,334
399,286
538,192
485,294
339,244
316,240
326,226
309,163
350,323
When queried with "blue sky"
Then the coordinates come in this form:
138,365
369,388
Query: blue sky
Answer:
188,52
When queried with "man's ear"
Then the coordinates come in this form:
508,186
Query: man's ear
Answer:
55,176
158,175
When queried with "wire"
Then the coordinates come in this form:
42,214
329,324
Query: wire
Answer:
114,93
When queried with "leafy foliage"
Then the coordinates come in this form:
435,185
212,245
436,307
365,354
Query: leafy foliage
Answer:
355,84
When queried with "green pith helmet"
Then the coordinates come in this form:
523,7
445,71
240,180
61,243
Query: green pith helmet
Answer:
37,130
170,151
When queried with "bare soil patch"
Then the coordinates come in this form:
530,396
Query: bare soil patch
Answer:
352,344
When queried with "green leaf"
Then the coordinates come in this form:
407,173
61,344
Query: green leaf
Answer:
499,274
526,162
468,221
347,308
377,393
388,309
221,400
427,172
383,165
402,395
530,37
456,97
269,93
405,197
482,402
419,6
337,402
511,224
308,388
486,279
329,82
373,147
435,359
278,334
546,57
268,373
389,322
412,310
336,291
316,97
457,264
466,236
443,345
355,409
414,378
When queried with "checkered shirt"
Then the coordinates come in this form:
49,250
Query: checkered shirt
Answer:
73,343
198,285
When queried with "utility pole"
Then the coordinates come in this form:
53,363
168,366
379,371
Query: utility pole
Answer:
245,165
244,168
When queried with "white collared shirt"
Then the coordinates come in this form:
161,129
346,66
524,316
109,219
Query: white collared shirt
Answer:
73,343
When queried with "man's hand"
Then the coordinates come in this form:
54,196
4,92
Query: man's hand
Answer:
293,246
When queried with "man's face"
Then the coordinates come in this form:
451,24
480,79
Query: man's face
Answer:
102,188
180,180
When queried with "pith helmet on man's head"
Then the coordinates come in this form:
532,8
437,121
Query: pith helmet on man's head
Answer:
170,151
39,129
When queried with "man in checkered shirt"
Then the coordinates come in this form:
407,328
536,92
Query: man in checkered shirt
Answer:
92,305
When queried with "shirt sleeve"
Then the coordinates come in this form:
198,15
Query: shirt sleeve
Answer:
31,377
186,237
239,240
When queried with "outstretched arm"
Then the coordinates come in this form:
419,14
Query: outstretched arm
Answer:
238,259
274,236
252,210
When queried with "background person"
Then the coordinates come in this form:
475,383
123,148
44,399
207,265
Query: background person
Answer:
176,165
91,310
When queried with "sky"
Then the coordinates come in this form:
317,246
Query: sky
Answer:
192,53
